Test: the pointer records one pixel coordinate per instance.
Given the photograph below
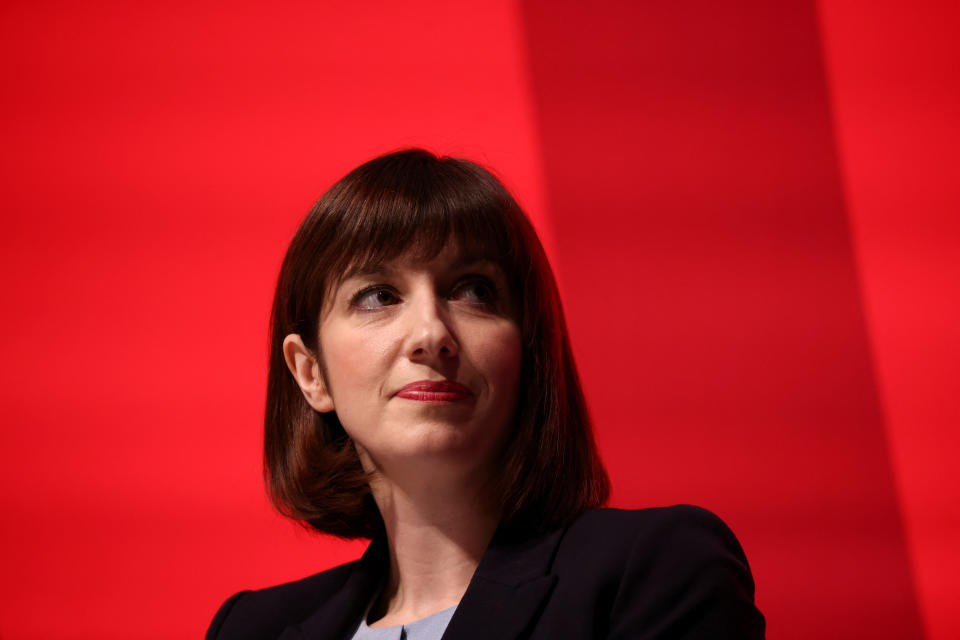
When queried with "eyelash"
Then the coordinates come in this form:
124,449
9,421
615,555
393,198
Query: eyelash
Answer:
494,293
365,291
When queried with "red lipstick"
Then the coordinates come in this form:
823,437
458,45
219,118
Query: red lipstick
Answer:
435,391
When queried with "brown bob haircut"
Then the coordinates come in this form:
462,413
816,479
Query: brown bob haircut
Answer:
414,203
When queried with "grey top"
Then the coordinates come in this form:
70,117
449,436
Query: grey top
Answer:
429,628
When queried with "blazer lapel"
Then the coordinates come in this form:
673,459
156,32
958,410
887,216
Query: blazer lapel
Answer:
503,600
507,592
338,616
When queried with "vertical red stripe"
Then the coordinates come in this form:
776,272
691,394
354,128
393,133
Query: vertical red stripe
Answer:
893,73
712,292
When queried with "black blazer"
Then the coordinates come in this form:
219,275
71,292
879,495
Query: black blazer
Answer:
674,572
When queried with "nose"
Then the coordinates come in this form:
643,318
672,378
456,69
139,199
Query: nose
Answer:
429,336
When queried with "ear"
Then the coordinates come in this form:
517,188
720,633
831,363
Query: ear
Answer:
306,371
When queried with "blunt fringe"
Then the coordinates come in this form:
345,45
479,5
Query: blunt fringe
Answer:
413,202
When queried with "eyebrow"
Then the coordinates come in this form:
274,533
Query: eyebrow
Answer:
383,268
370,269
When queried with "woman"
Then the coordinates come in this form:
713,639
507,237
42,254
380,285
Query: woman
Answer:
422,393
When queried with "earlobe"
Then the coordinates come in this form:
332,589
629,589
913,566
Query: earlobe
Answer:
305,369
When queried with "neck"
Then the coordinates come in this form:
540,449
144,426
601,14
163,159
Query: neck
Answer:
437,531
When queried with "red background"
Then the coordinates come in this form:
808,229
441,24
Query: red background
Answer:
752,208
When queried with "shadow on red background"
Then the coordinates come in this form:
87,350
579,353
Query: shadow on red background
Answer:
751,208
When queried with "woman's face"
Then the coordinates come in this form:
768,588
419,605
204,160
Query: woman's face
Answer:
421,361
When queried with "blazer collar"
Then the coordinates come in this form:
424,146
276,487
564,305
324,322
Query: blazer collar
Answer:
503,599
338,616
507,591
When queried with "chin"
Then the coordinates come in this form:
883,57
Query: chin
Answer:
443,441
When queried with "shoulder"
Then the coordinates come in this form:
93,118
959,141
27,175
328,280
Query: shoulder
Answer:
663,568
265,613
679,514
683,529
680,529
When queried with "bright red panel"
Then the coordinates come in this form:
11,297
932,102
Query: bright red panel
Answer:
896,99
156,159
713,296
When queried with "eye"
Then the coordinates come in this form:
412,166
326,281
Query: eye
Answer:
478,291
374,298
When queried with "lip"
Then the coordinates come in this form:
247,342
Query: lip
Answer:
435,391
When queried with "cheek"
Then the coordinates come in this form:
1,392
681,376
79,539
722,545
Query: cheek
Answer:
354,374
353,361
508,357
502,363
501,356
